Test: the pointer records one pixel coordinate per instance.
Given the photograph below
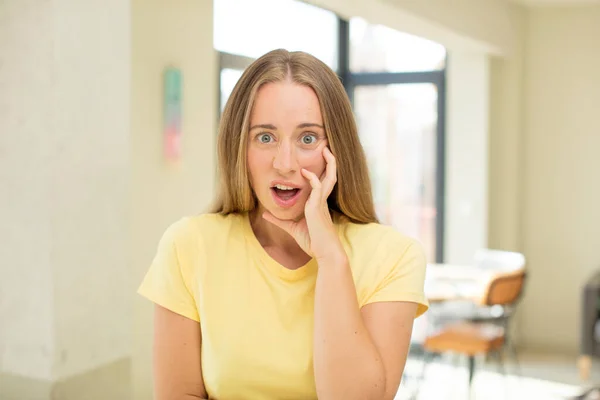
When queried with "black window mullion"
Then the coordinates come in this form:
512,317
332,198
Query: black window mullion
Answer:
440,190
344,57
390,78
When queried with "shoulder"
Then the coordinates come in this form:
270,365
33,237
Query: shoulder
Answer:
189,230
387,265
376,238
376,251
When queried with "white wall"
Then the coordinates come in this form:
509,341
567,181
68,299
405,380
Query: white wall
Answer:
466,211
88,188
64,123
506,142
561,171
26,98
164,34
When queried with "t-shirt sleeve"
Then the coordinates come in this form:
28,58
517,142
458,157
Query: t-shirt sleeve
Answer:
404,278
169,281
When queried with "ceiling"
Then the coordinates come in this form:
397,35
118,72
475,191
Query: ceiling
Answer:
543,3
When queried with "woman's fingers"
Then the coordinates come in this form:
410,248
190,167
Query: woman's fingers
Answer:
315,184
322,188
330,173
313,179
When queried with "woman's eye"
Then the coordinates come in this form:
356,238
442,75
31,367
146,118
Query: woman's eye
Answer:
309,139
264,138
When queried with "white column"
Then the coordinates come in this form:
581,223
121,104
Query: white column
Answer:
466,209
64,172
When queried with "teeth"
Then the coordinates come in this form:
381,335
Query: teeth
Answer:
283,187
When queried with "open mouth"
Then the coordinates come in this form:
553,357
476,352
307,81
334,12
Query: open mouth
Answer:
285,196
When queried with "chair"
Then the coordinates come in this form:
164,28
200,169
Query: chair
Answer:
501,314
496,261
471,338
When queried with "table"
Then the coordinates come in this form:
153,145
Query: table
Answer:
446,282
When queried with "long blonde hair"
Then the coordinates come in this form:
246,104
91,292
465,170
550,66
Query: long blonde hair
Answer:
352,196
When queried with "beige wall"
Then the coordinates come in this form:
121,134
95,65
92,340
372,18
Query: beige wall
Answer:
167,35
561,228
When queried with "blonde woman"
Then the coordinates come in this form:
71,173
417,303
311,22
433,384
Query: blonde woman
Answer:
289,288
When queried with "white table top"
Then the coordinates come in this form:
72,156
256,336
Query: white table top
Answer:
444,282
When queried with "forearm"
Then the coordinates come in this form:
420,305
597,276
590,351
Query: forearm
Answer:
346,362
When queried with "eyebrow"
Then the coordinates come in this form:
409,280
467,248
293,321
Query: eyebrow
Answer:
310,125
300,126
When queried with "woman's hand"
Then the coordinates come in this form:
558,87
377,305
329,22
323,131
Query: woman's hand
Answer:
316,233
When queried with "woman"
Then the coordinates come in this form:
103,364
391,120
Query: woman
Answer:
289,289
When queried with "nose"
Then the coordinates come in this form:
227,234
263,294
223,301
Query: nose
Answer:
285,158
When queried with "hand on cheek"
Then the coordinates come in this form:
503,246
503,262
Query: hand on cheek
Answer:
316,233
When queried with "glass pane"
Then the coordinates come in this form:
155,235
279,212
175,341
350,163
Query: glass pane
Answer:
397,126
252,28
376,48
229,78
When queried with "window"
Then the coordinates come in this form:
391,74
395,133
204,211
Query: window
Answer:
377,48
229,78
243,32
397,83
252,28
397,126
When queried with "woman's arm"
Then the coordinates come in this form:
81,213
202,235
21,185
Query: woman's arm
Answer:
177,366
357,354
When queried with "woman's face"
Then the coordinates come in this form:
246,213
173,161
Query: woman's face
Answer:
286,134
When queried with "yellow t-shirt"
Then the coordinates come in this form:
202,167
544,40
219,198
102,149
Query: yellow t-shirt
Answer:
256,316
